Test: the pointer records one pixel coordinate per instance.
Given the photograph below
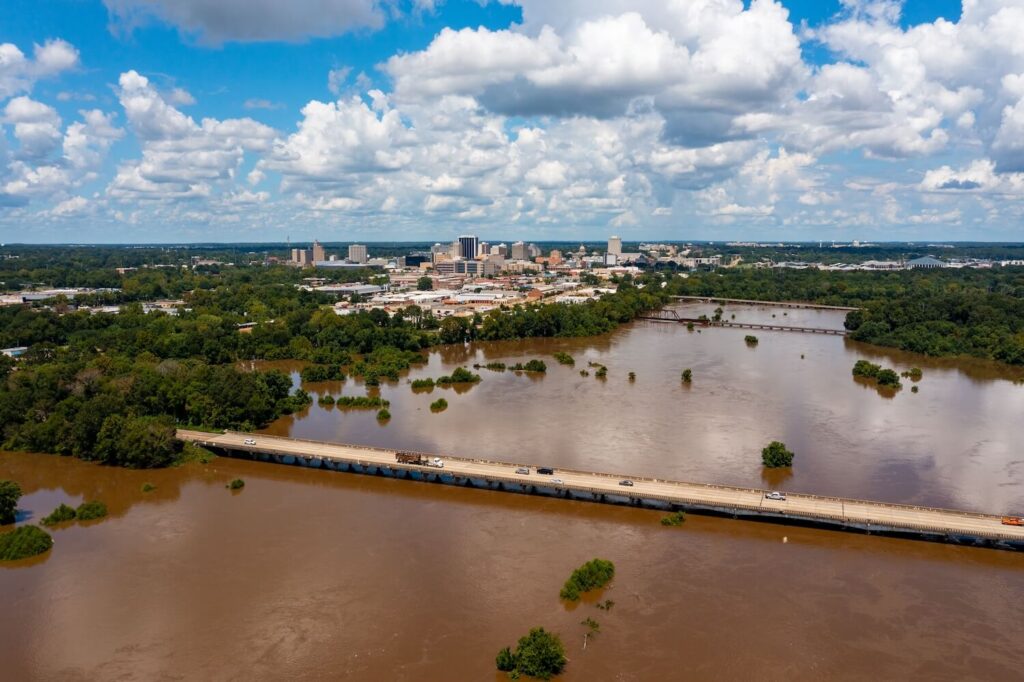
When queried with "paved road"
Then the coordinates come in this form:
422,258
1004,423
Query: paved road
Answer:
877,515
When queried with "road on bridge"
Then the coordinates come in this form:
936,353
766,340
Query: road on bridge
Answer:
858,513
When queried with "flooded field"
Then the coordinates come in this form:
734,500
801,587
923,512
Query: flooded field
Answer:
308,574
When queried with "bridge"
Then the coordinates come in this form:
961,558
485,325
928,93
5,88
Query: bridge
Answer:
778,304
831,512
673,316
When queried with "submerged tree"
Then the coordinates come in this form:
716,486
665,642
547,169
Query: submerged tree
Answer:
775,455
10,493
539,654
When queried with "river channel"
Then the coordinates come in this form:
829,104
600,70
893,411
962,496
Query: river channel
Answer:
309,574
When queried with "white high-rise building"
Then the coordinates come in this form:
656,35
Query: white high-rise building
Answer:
614,246
483,249
357,253
518,251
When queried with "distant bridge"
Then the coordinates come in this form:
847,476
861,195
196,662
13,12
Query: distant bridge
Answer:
778,304
831,512
669,315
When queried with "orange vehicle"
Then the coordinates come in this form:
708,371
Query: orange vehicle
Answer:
1013,521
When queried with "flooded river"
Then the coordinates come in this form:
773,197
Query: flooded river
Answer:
308,574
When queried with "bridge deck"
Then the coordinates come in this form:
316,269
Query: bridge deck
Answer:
864,514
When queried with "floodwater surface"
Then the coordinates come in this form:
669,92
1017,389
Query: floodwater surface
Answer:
314,575
956,443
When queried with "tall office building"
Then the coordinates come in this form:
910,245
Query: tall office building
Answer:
468,246
518,251
483,249
615,246
357,253
318,252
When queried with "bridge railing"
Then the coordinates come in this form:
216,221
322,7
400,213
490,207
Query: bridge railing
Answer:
212,438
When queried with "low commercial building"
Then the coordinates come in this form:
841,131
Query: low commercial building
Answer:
925,263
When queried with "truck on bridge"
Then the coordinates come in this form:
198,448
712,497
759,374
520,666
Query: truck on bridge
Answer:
417,458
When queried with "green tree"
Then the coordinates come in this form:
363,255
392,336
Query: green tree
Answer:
424,284
775,455
590,576
87,511
535,366
24,542
6,366
539,654
687,375
454,330
59,515
888,377
505,661
137,442
10,493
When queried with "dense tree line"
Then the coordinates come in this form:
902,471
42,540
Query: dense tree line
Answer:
936,312
124,412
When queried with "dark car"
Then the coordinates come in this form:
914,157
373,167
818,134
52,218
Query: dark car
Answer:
547,471
627,483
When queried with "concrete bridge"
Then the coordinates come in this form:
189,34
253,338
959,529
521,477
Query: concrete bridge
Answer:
669,315
750,301
831,512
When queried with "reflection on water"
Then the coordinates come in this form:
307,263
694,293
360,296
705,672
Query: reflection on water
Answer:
309,574
954,444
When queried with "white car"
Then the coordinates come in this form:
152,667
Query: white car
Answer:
250,441
436,462
775,495
556,481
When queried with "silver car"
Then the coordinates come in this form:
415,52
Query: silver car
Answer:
523,470
775,495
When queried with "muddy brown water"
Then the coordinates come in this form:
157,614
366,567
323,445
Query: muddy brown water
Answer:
309,574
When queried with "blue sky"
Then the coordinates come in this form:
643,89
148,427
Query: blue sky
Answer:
222,120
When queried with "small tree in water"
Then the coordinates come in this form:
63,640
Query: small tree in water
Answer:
687,375
539,654
10,493
775,455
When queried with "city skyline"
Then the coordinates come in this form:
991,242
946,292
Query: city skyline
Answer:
123,121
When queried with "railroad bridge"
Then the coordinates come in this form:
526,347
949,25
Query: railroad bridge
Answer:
829,512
